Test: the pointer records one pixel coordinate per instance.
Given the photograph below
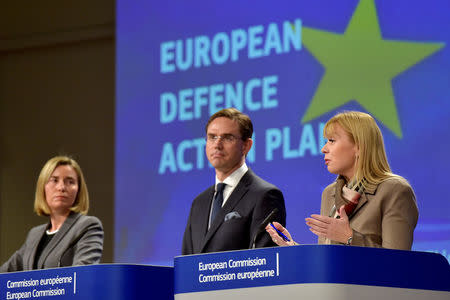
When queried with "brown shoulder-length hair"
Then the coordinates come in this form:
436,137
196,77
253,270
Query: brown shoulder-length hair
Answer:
372,163
81,204
245,124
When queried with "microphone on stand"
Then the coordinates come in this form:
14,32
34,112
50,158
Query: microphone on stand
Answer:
262,226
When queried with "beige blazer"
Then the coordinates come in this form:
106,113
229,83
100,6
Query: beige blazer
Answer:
386,215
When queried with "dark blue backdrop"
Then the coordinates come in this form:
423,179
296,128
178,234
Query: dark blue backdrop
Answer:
387,58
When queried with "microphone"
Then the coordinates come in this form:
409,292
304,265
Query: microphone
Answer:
262,226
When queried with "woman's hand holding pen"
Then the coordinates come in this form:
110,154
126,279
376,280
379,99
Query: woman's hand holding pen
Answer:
278,239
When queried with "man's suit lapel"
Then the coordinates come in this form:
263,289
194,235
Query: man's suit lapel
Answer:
237,194
68,223
204,219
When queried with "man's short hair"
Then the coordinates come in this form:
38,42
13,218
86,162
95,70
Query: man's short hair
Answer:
245,124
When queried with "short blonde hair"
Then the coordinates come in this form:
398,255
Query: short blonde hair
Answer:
81,203
372,163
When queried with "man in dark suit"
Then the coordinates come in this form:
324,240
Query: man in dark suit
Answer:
227,215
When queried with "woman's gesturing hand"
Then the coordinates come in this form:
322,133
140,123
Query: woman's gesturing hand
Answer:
334,229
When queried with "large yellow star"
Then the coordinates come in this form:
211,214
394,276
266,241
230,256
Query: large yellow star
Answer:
359,65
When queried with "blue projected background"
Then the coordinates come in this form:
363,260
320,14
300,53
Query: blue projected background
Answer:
290,66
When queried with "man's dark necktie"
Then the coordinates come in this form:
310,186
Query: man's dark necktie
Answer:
218,201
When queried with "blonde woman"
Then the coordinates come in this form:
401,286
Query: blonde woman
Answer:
367,205
70,237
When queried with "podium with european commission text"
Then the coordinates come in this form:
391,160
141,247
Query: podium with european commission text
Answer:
298,272
94,282
313,272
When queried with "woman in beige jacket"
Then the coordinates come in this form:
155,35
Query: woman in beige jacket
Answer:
367,205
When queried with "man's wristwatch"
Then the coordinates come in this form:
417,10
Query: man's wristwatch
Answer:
349,241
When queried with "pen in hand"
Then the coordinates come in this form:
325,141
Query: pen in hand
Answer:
285,238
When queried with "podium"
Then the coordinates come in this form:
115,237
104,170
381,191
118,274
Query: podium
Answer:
312,272
282,273
99,282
